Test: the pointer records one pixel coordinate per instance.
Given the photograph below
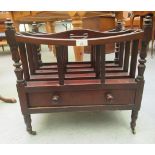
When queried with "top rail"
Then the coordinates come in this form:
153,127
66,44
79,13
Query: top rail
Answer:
73,42
82,32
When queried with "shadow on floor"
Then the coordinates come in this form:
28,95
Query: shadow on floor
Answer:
95,119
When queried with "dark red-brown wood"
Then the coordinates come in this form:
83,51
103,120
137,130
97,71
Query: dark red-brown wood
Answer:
74,86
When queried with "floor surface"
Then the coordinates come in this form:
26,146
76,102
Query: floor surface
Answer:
75,127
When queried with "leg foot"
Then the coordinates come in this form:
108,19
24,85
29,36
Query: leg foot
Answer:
134,116
32,132
134,131
27,119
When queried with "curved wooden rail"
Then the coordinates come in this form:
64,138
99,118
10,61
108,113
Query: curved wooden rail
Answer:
66,34
72,42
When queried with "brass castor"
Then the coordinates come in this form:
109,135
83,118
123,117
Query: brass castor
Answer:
134,116
27,119
32,132
133,129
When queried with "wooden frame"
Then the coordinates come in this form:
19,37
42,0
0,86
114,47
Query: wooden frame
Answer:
75,86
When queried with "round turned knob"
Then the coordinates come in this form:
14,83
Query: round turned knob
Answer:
55,99
109,98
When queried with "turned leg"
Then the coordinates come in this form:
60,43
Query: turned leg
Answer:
27,119
134,116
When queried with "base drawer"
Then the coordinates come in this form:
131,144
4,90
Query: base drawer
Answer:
79,98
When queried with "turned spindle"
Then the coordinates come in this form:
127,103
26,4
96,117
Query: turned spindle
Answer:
38,47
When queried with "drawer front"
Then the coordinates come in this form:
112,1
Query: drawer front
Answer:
79,98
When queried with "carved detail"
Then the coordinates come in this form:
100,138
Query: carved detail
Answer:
27,119
119,27
10,33
142,61
38,47
143,52
147,26
117,47
134,117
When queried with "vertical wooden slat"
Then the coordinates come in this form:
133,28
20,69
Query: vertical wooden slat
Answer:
23,57
60,63
127,55
39,55
97,61
30,58
119,27
65,57
117,45
102,63
134,53
92,56
35,56
142,61
121,54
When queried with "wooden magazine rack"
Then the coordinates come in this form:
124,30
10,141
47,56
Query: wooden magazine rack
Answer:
78,86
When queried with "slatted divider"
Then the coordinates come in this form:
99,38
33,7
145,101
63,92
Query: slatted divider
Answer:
121,54
30,56
96,69
97,61
23,57
134,53
60,63
102,63
127,55
92,56
35,55
65,58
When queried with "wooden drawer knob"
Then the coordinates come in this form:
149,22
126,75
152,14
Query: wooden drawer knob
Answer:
55,99
109,98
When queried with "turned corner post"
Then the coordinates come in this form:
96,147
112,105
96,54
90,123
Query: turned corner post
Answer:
119,27
141,69
147,26
38,47
10,36
11,39
27,120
